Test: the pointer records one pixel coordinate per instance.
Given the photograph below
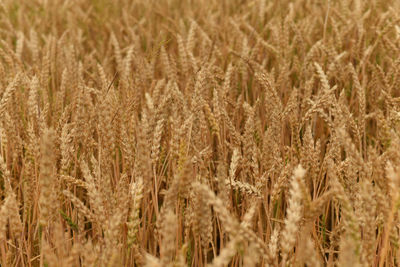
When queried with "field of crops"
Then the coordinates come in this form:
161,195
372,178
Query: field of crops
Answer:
199,132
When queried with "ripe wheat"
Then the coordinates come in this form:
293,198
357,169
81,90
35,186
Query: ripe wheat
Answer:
195,133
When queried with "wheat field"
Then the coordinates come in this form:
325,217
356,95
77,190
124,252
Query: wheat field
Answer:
199,133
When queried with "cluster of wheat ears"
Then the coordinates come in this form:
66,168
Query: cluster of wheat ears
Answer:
194,133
